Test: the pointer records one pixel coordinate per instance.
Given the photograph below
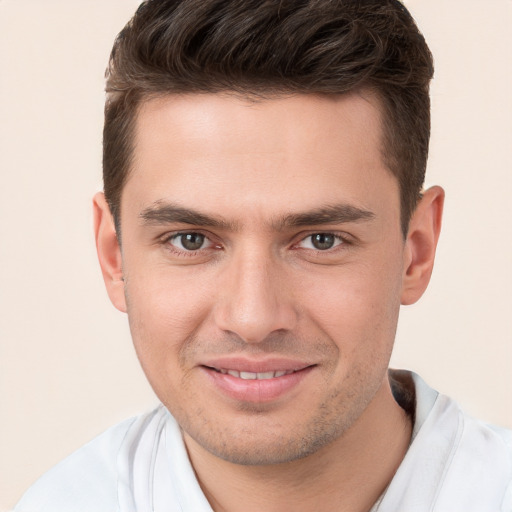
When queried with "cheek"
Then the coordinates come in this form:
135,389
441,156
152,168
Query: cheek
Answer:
357,307
164,311
163,320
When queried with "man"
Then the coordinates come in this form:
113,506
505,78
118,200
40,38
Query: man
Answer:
263,220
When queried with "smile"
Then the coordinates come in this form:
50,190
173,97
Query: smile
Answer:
254,375
256,382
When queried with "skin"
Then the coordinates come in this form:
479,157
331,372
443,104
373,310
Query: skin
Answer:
262,178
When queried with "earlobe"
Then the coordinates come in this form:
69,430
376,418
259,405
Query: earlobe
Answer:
109,251
421,243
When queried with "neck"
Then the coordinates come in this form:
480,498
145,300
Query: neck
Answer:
349,474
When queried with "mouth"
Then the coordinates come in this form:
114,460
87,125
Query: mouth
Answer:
256,382
253,375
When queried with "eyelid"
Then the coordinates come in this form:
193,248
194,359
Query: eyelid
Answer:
172,234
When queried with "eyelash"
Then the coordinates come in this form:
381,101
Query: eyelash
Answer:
342,239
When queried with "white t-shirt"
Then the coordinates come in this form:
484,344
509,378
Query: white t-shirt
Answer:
454,464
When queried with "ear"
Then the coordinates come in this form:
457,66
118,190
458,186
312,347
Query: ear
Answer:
109,251
420,245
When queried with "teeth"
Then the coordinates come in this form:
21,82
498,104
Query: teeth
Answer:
256,376
266,375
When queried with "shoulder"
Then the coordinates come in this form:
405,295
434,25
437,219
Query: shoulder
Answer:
87,479
479,466
471,461
454,463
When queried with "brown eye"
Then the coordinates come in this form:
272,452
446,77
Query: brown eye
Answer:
189,241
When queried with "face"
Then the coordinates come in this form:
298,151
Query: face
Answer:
262,262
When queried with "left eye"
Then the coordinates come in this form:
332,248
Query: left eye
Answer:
320,241
189,241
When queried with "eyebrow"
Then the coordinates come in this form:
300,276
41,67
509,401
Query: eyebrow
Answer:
162,212
167,213
333,214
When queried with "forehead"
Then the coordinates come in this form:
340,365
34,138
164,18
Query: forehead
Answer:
275,124
223,151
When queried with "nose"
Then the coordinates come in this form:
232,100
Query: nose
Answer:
255,300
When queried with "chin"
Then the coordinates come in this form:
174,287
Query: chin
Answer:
258,443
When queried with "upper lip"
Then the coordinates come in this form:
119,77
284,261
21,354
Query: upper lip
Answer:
244,364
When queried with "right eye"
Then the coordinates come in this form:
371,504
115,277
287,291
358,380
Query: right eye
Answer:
190,241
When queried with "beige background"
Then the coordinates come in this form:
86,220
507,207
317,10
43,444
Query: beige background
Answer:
67,368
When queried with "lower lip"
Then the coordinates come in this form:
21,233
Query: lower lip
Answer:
254,390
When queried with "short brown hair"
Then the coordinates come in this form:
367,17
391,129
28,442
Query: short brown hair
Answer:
266,48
